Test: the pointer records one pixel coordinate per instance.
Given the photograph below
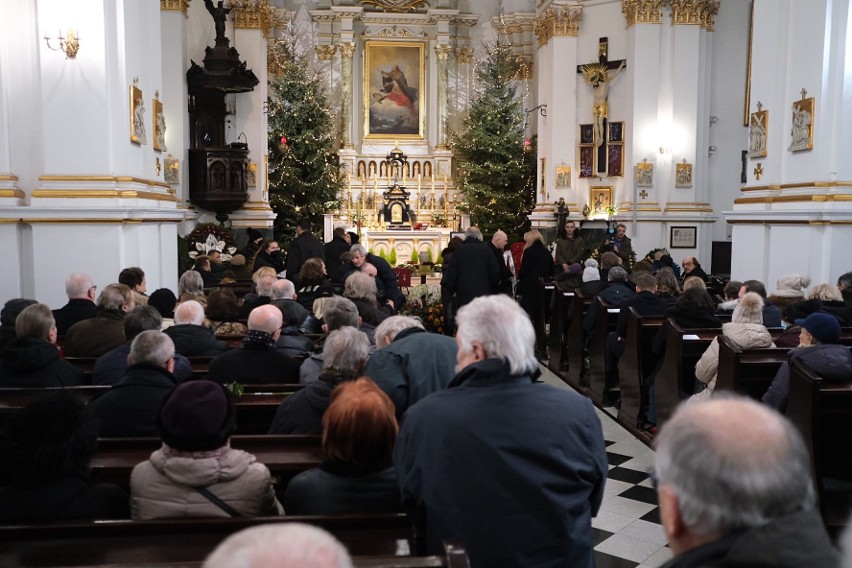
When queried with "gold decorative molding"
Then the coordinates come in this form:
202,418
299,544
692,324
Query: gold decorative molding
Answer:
557,22
810,198
11,193
797,185
174,5
394,31
694,12
252,15
643,11
443,51
79,221
395,5
464,54
100,194
9,178
347,48
325,52
785,222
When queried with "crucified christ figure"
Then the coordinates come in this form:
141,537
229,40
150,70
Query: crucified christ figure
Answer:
599,77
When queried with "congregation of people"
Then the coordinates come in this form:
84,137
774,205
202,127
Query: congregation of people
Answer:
456,430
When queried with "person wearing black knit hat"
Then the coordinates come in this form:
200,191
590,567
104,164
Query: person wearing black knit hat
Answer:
196,473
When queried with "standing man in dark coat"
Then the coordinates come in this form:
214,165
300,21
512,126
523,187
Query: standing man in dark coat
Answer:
497,246
513,468
303,247
338,245
130,408
473,270
619,243
81,302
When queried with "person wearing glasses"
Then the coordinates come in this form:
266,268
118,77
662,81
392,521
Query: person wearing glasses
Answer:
691,267
733,479
81,292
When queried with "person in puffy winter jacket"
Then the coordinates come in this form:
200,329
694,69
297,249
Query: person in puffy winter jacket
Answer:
196,465
745,329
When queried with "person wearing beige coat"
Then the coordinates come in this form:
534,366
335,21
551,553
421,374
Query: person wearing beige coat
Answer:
745,329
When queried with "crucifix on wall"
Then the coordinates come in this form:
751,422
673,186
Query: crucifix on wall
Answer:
599,75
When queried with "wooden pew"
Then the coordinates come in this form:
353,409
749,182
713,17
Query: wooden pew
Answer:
376,540
822,411
285,456
607,317
747,371
576,377
675,380
546,291
635,367
557,337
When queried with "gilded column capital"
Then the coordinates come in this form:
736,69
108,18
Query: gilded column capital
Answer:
643,11
709,9
347,48
464,54
443,51
325,52
174,5
686,12
252,15
557,22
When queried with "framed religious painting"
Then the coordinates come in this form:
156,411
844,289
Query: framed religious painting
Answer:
802,131
600,200
758,128
137,116
159,138
644,174
683,174
563,176
394,89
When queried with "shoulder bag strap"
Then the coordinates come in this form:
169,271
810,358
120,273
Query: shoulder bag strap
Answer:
218,502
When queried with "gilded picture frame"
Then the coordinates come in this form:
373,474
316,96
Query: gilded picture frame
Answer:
802,128
644,174
172,171
394,90
159,126
683,174
758,134
600,198
138,134
563,177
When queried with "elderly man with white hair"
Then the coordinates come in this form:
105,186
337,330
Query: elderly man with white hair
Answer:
344,354
410,363
190,336
734,485
259,361
513,468
385,277
283,545
81,292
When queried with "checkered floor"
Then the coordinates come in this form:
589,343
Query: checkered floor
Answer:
627,529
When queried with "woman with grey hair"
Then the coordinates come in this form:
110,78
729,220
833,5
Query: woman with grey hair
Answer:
191,287
360,287
345,352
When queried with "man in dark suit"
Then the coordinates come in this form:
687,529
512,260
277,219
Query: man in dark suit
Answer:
303,247
385,277
497,245
81,302
473,270
338,245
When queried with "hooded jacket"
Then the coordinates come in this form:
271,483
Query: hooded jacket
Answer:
165,485
829,361
29,362
744,335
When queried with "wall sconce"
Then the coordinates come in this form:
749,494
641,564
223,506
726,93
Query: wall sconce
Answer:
68,45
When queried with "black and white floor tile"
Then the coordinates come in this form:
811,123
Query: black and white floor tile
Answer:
627,529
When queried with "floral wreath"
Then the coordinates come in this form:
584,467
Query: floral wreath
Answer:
209,237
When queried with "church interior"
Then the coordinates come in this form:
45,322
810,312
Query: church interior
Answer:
125,125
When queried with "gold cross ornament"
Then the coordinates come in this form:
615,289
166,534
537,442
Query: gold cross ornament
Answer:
758,171
643,194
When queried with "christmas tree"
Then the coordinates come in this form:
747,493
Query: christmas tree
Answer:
497,177
304,177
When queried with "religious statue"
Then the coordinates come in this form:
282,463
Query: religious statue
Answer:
599,76
801,128
561,214
161,130
757,135
219,13
139,121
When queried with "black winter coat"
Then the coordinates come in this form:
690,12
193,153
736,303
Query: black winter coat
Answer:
472,272
28,362
195,341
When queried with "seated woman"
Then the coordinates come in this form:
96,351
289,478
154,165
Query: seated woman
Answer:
314,283
356,476
745,330
223,313
819,348
360,287
191,287
46,449
825,299
196,473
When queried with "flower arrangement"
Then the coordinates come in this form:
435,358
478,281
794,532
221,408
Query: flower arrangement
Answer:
652,254
208,237
424,301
